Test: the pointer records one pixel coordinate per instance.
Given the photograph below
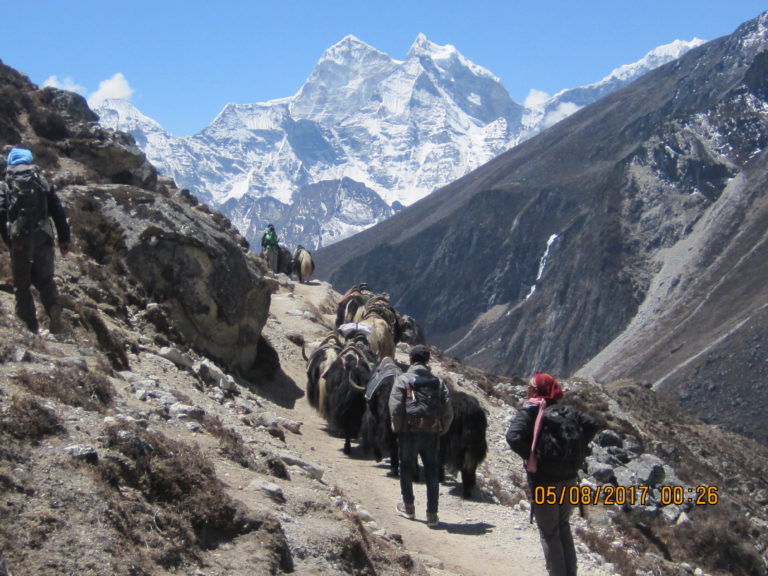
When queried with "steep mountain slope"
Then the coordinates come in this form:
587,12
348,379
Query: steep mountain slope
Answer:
628,185
165,431
400,128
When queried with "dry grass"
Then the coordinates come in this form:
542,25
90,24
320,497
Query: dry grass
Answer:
183,509
71,386
27,419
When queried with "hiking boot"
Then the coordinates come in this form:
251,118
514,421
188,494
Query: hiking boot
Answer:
406,510
55,325
432,519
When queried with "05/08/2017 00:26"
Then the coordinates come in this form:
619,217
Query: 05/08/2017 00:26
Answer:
621,495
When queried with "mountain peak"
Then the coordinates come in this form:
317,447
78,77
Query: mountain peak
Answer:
423,46
445,56
350,50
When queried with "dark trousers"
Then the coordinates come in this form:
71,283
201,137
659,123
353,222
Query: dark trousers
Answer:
32,265
270,254
426,445
553,521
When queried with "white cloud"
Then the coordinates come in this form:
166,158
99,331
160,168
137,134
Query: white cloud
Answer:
116,87
535,99
564,110
65,83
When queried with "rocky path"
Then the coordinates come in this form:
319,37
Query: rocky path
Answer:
476,537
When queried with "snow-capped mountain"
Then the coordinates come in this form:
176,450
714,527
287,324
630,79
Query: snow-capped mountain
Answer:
566,102
399,128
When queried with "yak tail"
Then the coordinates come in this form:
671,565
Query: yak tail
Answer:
304,353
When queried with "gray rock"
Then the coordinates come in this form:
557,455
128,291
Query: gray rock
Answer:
21,354
210,373
83,452
312,470
645,470
600,471
228,384
272,490
608,438
671,513
632,444
182,411
176,356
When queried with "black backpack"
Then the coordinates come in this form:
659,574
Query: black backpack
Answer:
422,402
27,201
562,446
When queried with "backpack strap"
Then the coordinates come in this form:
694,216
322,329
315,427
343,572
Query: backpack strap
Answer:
531,464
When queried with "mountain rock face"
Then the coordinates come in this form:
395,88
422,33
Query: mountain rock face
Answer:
399,128
626,241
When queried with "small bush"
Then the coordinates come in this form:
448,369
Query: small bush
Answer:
180,480
27,419
72,387
230,442
48,124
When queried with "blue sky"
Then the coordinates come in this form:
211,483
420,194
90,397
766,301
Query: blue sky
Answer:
181,62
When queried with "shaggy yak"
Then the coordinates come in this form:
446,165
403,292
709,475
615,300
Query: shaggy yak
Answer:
376,435
345,381
303,264
410,331
317,366
464,447
284,260
347,308
381,339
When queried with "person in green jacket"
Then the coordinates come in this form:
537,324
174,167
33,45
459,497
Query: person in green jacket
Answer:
269,248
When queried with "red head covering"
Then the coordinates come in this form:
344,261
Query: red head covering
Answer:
546,386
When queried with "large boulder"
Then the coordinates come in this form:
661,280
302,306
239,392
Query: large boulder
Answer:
215,291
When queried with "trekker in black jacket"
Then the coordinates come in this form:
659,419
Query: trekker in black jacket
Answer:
29,211
550,476
420,436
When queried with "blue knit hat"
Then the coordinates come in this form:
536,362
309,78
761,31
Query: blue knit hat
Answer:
19,156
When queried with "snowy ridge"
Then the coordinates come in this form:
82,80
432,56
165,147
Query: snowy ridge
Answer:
400,128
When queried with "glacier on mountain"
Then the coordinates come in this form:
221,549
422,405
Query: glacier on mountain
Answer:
398,128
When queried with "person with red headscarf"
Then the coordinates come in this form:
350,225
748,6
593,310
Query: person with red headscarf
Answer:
556,477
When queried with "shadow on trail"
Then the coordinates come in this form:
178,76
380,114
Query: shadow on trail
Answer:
478,494
473,529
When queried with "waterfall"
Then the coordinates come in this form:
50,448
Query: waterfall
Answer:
542,264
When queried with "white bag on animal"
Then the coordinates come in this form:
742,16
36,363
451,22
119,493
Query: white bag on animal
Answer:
354,328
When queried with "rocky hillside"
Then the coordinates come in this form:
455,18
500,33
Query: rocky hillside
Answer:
165,431
626,241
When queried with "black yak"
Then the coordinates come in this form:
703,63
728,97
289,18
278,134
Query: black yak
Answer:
464,447
354,300
317,365
346,380
376,435
410,331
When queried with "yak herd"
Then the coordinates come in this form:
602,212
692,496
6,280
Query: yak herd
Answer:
350,376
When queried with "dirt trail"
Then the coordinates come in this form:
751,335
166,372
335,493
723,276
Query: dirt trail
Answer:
475,538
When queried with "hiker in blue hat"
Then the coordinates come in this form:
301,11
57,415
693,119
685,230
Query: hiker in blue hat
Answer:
29,211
